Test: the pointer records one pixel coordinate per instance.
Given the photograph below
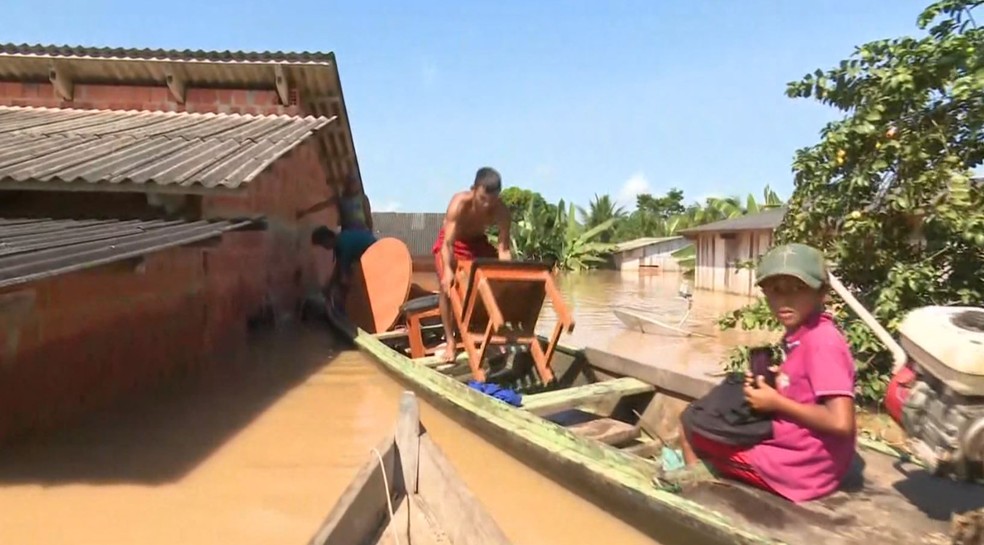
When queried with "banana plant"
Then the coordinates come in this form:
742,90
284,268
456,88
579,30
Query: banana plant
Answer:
580,252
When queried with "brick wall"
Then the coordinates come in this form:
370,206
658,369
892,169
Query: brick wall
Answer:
270,269
135,97
77,341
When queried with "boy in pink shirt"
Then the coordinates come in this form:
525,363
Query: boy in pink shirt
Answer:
812,405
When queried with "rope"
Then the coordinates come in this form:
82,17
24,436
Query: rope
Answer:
389,500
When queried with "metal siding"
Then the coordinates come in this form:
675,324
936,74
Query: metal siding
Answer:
417,230
163,148
33,249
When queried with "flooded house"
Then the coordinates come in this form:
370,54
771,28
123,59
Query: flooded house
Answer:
149,208
653,253
723,245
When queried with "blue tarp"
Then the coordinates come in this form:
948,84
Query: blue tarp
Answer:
498,392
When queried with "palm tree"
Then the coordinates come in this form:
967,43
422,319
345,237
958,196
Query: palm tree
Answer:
601,209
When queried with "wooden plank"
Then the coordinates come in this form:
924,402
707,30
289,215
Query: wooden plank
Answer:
361,511
662,377
408,439
645,449
462,517
425,528
395,334
607,430
579,396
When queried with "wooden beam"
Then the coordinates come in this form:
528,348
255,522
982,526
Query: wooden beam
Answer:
176,84
606,430
579,396
283,86
408,439
62,82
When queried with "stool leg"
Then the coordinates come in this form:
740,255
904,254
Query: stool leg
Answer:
416,337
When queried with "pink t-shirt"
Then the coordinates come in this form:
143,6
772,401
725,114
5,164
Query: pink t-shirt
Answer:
799,463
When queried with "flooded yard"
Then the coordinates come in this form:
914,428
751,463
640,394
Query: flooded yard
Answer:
258,449
257,452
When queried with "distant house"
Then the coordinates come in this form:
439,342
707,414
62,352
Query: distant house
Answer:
418,230
723,244
648,253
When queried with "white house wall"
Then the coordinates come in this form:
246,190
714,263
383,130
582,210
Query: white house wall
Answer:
717,257
654,255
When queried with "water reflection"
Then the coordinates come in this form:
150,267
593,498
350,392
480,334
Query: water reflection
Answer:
593,295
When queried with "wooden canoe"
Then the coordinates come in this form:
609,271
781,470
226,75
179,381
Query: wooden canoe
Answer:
408,493
600,428
649,325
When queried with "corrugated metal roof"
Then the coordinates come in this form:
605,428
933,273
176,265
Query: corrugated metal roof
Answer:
169,149
769,219
630,245
313,75
33,249
418,230
165,54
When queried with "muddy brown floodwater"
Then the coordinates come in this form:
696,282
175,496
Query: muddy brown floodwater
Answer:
257,452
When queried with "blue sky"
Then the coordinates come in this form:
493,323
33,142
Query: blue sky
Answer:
566,98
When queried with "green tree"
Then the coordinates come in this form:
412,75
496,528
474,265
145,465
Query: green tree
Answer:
518,199
887,192
663,207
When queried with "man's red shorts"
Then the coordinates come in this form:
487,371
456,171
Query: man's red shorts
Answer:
463,249
728,460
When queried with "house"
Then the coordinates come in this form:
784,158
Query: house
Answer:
648,252
722,245
149,207
417,230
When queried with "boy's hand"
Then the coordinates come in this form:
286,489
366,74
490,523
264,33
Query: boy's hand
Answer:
761,396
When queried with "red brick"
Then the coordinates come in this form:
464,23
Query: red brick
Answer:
240,97
201,96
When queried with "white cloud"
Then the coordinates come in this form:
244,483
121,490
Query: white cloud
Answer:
635,185
387,206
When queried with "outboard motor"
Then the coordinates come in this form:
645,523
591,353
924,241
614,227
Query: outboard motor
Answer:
938,396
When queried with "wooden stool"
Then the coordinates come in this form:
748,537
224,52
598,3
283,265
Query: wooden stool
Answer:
415,311
497,303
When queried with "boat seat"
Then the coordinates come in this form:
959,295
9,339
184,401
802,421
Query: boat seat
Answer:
421,304
417,310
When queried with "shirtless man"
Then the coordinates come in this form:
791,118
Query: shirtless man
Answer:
463,237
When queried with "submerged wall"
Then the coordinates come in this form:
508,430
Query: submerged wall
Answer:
77,341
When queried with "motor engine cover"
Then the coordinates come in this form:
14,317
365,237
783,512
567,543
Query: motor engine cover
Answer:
947,343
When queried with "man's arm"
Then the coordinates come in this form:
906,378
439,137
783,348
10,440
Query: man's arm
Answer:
505,237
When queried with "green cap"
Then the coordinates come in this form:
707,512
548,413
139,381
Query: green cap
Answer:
796,260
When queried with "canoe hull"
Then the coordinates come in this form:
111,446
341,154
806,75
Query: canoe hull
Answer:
614,470
616,481
408,492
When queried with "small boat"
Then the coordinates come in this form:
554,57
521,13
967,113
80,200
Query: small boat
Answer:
643,323
600,428
602,424
408,493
